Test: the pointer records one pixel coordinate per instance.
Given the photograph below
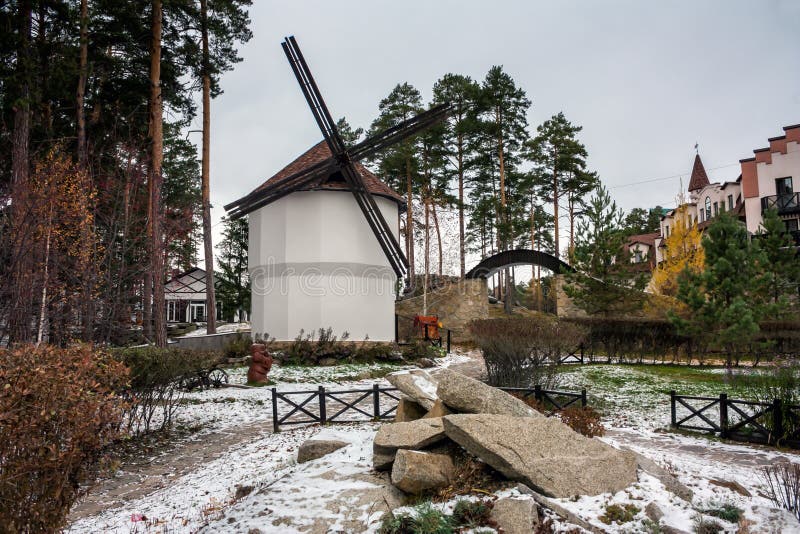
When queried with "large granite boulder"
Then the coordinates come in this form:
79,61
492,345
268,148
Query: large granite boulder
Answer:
544,453
515,515
415,435
417,384
464,394
314,448
408,410
415,471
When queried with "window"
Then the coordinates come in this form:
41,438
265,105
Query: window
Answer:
198,311
708,208
701,215
637,256
666,231
730,202
716,209
783,186
791,225
172,311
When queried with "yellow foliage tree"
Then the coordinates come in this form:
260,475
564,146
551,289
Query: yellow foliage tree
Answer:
683,251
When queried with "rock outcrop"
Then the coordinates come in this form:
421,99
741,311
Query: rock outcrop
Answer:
414,435
417,384
467,395
543,453
312,449
408,410
416,471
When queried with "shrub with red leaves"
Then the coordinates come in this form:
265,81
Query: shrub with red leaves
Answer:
59,409
583,420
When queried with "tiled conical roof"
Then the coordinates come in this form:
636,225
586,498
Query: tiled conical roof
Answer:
699,177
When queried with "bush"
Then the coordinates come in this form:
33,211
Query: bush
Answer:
583,419
725,511
155,383
619,513
472,514
783,485
239,347
59,409
781,382
524,352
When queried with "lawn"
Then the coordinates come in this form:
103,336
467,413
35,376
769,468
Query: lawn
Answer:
638,395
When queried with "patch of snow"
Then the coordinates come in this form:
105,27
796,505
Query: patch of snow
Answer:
221,329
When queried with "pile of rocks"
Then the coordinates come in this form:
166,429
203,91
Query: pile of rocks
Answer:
443,410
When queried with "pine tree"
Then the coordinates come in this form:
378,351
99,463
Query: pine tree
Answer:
399,164
606,282
501,126
683,251
461,92
233,279
642,221
781,267
557,153
348,134
722,300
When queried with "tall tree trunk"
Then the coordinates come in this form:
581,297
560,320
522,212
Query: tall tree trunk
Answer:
211,301
156,180
45,279
409,224
438,237
80,113
571,227
555,206
462,253
427,259
507,304
21,306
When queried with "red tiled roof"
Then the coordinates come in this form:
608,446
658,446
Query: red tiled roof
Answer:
321,152
646,239
699,177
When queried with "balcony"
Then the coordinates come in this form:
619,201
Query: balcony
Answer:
785,204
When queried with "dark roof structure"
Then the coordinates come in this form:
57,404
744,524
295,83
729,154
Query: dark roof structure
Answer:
317,154
699,177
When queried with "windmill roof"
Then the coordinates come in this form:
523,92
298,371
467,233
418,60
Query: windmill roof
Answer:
318,153
699,177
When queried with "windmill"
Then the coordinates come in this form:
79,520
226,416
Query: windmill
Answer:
342,160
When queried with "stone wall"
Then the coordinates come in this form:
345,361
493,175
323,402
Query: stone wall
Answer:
208,342
456,305
565,307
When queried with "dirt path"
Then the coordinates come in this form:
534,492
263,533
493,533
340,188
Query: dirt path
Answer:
143,477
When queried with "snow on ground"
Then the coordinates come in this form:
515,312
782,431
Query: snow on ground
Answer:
636,404
221,329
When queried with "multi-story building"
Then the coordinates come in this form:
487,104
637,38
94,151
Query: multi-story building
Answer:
766,181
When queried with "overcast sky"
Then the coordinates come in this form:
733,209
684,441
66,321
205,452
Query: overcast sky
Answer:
646,80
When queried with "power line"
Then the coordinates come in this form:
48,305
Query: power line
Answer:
667,177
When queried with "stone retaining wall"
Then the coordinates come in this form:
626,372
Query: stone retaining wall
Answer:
456,305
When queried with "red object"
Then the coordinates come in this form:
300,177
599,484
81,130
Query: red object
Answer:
427,326
260,363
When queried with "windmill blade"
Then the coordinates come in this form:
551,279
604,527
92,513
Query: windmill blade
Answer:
377,222
281,188
397,133
314,98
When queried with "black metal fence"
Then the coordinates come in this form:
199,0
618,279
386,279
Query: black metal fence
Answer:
378,403
773,423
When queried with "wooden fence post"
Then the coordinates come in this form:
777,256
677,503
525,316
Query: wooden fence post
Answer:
723,415
448,341
581,353
537,393
673,410
323,416
275,410
777,421
583,395
376,401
